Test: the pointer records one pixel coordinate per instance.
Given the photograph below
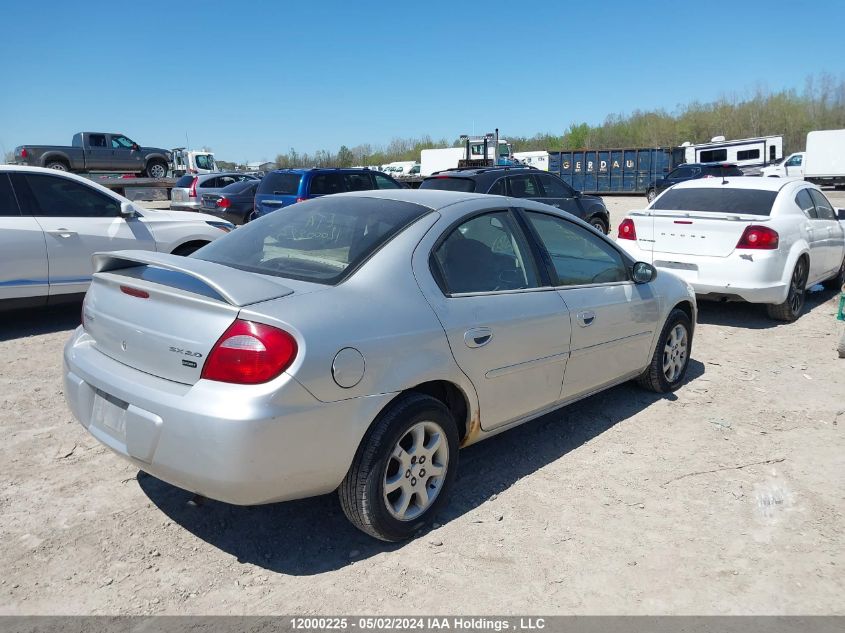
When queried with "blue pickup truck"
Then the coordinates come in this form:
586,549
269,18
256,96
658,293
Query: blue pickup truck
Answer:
98,151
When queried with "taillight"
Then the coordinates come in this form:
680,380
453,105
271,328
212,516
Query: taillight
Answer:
224,203
627,230
301,199
249,353
23,153
758,237
193,192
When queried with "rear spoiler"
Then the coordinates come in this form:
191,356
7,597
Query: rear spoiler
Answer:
236,287
701,215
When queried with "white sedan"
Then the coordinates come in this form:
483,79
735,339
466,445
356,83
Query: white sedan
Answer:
761,240
51,223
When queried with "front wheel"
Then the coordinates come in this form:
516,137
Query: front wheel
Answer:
668,366
791,309
650,195
403,469
599,225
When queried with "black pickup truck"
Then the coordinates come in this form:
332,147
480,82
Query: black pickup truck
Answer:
98,151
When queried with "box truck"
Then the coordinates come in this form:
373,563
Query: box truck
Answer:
824,162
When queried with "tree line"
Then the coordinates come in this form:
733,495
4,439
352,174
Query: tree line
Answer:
791,113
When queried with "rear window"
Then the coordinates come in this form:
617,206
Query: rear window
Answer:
320,240
722,171
184,181
240,187
284,184
446,183
717,199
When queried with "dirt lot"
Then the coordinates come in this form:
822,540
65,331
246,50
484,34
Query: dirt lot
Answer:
726,497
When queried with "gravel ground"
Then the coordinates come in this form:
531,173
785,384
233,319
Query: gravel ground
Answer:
723,498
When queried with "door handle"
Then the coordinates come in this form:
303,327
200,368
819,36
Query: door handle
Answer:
478,337
586,318
62,232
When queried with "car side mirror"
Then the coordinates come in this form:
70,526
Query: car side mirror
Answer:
127,210
840,214
643,273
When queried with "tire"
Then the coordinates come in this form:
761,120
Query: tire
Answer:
388,449
836,283
668,366
650,195
187,249
156,169
599,224
57,165
791,309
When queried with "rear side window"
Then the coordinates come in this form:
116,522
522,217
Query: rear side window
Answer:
8,203
62,197
320,240
280,184
184,182
748,154
447,183
209,183
326,184
823,208
805,202
717,200
357,181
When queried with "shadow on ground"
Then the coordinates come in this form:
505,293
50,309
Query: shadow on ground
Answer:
313,536
45,320
753,316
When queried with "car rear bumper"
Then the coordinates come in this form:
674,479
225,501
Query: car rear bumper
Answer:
239,444
752,276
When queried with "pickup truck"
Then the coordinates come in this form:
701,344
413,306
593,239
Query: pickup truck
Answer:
97,151
791,167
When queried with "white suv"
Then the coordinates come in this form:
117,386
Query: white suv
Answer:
51,223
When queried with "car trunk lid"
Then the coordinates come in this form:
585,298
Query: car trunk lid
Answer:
692,233
162,314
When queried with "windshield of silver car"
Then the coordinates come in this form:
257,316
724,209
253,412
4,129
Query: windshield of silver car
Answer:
321,240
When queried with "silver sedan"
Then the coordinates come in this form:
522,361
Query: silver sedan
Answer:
354,342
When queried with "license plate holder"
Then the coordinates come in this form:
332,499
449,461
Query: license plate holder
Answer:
109,414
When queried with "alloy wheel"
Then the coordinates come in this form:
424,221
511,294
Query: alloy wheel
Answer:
796,287
416,471
675,353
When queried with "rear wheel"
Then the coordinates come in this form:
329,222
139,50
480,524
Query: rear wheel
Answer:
57,165
668,366
791,309
403,469
836,283
156,169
